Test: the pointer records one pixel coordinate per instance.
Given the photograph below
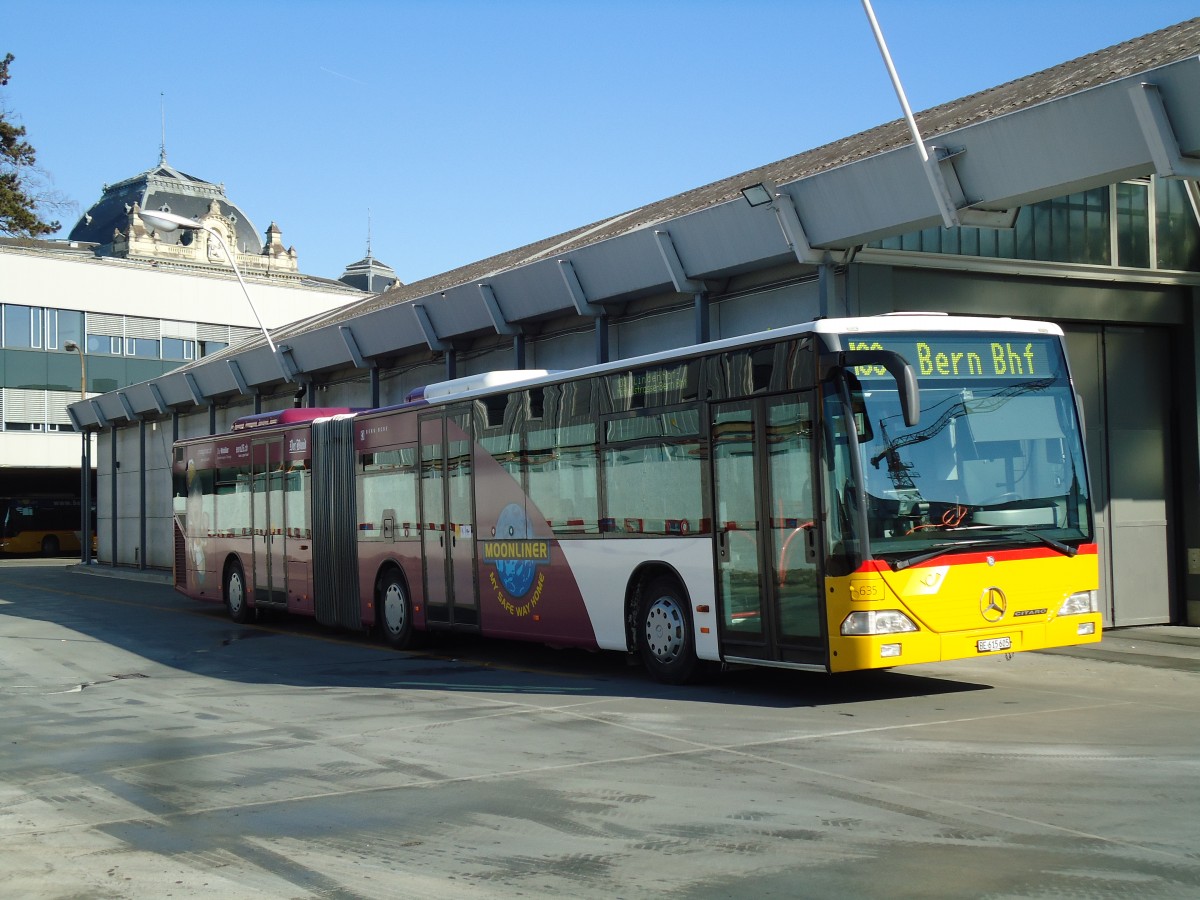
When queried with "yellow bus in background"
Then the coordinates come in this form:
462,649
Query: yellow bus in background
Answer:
46,525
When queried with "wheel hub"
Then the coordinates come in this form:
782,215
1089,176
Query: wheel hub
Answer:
664,629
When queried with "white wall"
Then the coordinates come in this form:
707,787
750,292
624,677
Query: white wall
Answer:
119,286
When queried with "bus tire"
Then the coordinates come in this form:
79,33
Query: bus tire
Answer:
235,593
664,631
395,611
49,545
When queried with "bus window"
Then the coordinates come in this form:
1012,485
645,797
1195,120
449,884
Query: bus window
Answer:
560,468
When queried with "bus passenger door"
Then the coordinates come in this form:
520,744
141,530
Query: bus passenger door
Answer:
447,518
269,541
768,587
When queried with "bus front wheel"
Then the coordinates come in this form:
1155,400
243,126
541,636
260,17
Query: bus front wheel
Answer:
664,632
49,545
235,593
395,612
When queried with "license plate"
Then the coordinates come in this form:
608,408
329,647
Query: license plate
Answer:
990,645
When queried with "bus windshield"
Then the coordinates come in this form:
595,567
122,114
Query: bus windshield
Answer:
996,458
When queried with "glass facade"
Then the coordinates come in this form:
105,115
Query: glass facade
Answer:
1143,224
39,377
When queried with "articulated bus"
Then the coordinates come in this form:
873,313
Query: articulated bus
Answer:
841,495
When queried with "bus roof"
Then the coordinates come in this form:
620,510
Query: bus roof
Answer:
288,416
887,322
470,385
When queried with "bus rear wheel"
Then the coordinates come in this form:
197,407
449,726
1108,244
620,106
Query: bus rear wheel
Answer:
664,632
235,593
395,612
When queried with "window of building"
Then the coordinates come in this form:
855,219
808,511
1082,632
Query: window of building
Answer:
142,348
1175,226
68,326
104,344
178,349
22,327
1142,224
1133,225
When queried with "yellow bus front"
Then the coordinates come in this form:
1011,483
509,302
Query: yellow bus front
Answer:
961,606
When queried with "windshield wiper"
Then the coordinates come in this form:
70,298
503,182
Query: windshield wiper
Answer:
954,546
1064,549
937,550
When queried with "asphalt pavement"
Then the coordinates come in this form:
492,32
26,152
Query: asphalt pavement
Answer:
151,748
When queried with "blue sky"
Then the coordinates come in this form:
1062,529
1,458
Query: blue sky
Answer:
468,128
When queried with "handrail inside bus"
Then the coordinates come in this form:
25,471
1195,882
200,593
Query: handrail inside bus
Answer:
897,366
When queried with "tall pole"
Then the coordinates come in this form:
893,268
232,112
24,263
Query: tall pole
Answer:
85,467
930,165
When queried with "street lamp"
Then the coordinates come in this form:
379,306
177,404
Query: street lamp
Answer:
85,466
167,222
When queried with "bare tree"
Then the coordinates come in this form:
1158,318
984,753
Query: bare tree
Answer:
24,188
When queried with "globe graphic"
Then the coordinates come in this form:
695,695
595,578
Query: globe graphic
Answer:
515,574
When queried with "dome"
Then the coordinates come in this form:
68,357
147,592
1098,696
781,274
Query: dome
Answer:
162,188
370,275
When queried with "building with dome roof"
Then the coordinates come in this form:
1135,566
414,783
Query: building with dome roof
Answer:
118,302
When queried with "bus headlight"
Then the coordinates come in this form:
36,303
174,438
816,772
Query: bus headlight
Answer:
883,621
1080,603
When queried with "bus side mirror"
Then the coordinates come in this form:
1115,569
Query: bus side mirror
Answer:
895,364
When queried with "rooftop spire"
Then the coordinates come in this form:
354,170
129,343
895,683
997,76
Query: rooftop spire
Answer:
162,111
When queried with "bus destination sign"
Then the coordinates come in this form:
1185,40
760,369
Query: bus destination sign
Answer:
951,355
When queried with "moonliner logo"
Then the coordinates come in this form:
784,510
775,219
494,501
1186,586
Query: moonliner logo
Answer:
516,557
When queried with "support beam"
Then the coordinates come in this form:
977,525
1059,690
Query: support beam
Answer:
142,491
86,501
194,389
679,279
101,419
287,362
351,343
793,229
113,493
519,351
966,213
703,326
495,313
374,387
601,339
239,380
427,330
156,395
127,406
567,269
827,300
1169,161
